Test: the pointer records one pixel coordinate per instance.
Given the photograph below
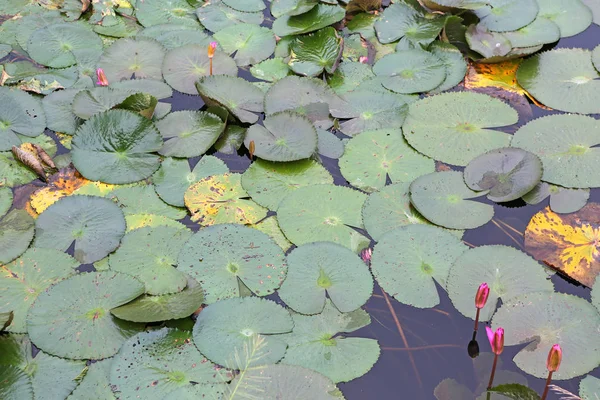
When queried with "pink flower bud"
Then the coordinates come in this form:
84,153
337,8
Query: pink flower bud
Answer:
102,81
482,295
363,59
496,339
366,254
554,358
211,49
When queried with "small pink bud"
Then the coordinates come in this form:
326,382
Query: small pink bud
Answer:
363,59
482,295
102,81
554,358
366,254
496,339
211,49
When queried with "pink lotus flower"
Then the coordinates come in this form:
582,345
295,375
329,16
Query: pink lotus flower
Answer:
366,254
496,339
211,49
482,295
554,358
363,59
102,81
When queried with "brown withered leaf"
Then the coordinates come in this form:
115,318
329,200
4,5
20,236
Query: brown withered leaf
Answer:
61,184
42,155
29,158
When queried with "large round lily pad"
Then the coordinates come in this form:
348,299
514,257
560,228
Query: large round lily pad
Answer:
96,225
507,15
22,114
153,364
564,79
173,35
189,133
116,147
566,144
372,157
572,17
314,343
453,127
72,318
150,255
410,71
269,182
156,12
242,332
543,319
247,43
322,267
23,279
140,57
221,199
323,213
215,16
507,173
443,198
507,271
16,232
408,23
286,136
409,272
220,256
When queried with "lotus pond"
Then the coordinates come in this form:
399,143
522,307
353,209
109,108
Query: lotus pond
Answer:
299,199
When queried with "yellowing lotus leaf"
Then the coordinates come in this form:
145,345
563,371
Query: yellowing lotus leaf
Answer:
501,75
61,184
568,242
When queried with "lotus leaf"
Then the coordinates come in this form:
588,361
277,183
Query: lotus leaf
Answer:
137,221
314,52
87,103
20,114
316,18
507,15
139,57
217,15
155,12
348,76
410,71
231,140
272,69
572,17
173,36
540,31
246,5
488,44
59,112
270,226
189,133
199,390
408,23
16,232
453,60
6,199
95,384
562,200
248,43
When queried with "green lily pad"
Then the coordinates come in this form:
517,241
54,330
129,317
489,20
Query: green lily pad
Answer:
408,272
454,62
28,24
26,277
562,200
318,17
315,52
224,332
269,182
315,269
158,89
174,177
443,198
219,256
410,71
286,136
270,226
183,66
139,57
329,145
78,310
572,17
116,147
403,21
96,225
540,31
348,76
248,43
20,114
596,57
150,255
506,173
59,111
156,12
271,70
231,140
87,103
240,97
198,391
291,7
41,377
154,364
137,221
189,133
246,5
62,45
508,272
371,157
589,387
564,79
172,36
507,15
148,308
543,319
323,213
369,110
16,232
6,199
453,127
314,343
95,384
217,15
566,144
488,44
221,199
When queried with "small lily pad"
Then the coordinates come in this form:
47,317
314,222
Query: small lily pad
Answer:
189,133
453,60
572,17
59,111
562,200
16,232
22,114
410,71
155,12
95,384
488,44
443,198
315,52
217,15
271,70
248,43
403,21
507,15
317,17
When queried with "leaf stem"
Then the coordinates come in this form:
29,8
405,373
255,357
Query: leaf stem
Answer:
548,380
493,371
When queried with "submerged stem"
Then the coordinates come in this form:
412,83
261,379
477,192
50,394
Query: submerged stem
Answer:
493,371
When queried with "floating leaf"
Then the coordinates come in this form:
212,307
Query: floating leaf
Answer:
59,112
405,22
248,43
231,140
155,12
199,390
488,44
572,17
217,16
508,272
562,200
246,5
329,145
314,343
270,226
323,213
115,147
506,173
6,199
137,221
78,310
452,127
291,7
225,329
371,157
315,52
272,69
20,114
16,232
348,76
596,57
566,144
408,272
454,62
189,133
154,364
221,199
540,31
543,319
564,79
165,307
150,255
26,277
322,267
286,136
507,15
316,18
95,384
589,387
139,57
173,36
269,182
567,242
219,256
183,66
443,198
410,71
96,225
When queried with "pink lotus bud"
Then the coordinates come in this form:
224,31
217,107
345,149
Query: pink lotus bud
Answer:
482,295
496,339
102,81
363,59
554,358
366,254
211,49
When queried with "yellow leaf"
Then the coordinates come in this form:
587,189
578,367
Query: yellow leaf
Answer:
61,184
501,75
